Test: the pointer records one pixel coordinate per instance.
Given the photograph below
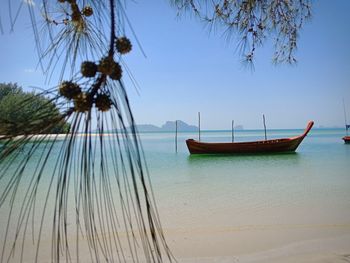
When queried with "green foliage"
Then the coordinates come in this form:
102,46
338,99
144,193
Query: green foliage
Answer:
27,113
9,88
253,22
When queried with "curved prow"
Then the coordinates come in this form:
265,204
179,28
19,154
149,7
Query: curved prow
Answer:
308,128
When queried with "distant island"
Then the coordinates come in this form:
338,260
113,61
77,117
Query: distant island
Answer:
170,126
166,127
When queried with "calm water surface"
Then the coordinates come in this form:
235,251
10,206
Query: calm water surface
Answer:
309,186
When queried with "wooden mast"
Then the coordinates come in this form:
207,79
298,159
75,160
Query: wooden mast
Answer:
199,126
346,121
264,127
233,136
176,136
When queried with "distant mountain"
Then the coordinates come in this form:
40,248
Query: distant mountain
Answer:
168,126
181,126
147,128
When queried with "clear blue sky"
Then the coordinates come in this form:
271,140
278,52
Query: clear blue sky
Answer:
187,70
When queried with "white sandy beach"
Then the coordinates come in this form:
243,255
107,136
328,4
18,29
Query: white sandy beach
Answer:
321,250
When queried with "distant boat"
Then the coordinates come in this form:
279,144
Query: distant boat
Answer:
266,146
346,139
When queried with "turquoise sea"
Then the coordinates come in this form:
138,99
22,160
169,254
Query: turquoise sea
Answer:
252,202
317,176
243,204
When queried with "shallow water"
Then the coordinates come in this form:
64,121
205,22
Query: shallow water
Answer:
253,187
301,195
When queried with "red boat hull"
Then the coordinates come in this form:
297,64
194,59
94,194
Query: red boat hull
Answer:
346,139
268,146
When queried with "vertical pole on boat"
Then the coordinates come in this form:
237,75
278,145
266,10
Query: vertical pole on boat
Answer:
264,126
346,121
176,136
233,136
199,126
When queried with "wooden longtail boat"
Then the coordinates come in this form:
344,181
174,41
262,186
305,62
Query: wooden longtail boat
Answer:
266,146
346,139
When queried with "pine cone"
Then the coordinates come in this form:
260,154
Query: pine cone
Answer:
106,65
87,11
123,45
82,102
116,72
103,102
69,89
88,69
